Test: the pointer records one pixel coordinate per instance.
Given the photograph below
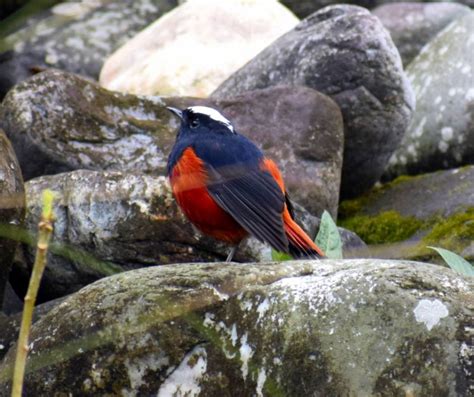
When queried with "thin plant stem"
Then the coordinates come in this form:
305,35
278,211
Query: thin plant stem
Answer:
44,236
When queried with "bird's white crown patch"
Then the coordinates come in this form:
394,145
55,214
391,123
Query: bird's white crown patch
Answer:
213,114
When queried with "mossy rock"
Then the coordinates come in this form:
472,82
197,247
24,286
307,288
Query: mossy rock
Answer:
345,327
432,209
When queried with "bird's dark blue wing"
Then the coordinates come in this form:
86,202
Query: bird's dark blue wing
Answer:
242,188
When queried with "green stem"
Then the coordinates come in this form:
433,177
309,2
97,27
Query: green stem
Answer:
44,236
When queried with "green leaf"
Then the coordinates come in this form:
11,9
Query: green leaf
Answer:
280,256
328,238
455,262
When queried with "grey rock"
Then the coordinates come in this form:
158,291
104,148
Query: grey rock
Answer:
303,8
12,208
65,123
441,133
78,45
300,129
437,208
342,51
107,222
354,327
412,25
59,122
10,324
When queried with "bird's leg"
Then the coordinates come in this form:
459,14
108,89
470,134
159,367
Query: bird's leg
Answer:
233,250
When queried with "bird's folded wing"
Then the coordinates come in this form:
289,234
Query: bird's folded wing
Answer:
254,200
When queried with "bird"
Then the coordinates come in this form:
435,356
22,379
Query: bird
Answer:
228,189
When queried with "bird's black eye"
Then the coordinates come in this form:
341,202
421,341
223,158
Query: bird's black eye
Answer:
194,123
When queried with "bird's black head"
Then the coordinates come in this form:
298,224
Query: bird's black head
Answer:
202,120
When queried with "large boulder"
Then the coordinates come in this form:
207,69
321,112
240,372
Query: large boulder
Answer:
195,47
12,208
357,327
59,122
412,25
416,212
441,133
108,222
342,51
76,41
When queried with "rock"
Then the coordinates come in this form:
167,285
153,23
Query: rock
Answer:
195,47
344,52
441,133
10,325
301,129
107,222
77,43
412,25
435,209
354,327
66,123
12,208
303,8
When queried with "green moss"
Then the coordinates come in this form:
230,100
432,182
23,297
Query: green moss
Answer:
453,233
386,227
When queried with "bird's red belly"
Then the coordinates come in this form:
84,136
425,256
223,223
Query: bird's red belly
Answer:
188,181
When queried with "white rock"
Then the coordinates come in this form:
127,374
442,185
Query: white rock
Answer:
195,47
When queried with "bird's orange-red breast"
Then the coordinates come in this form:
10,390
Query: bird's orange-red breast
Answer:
228,189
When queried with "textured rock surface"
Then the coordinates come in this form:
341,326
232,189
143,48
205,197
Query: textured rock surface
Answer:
412,25
431,209
362,327
441,133
66,123
77,44
195,47
12,207
303,8
299,128
344,52
10,325
127,221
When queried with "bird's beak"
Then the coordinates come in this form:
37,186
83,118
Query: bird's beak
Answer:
175,111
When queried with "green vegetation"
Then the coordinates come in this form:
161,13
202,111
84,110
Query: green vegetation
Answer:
45,232
328,238
455,262
452,233
386,227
